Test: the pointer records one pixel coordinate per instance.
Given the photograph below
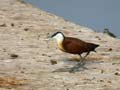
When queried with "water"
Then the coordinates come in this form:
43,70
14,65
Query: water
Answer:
95,14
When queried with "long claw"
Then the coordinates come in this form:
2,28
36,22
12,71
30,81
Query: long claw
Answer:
77,67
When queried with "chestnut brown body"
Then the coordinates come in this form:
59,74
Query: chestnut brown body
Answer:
77,46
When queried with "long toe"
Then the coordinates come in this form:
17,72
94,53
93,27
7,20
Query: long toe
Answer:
78,67
73,70
81,63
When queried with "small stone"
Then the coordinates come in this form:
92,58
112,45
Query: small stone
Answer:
118,74
4,50
102,71
12,24
14,56
22,39
3,25
64,27
49,56
110,49
76,84
22,72
53,62
117,69
101,80
24,68
44,54
26,29
38,37
98,37
109,82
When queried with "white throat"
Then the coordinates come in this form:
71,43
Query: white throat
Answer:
59,38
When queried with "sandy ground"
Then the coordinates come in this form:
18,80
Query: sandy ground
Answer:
26,53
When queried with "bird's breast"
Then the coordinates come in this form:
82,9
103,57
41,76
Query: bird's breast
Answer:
60,46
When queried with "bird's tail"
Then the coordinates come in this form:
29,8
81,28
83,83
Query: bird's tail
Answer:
92,47
95,46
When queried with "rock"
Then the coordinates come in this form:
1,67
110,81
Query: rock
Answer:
102,71
44,54
110,49
101,80
12,24
117,74
53,62
26,29
3,25
13,56
109,81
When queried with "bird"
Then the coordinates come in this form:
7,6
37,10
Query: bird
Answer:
74,45
106,30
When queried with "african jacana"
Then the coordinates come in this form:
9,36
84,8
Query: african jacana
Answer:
73,45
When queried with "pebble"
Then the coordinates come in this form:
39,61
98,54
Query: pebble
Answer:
3,25
53,62
14,56
26,29
118,74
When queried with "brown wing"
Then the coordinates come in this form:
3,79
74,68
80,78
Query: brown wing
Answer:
74,45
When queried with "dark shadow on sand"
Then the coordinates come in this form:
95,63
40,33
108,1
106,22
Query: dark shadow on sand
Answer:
80,66
76,68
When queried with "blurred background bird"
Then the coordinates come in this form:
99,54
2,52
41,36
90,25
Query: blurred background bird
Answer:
106,30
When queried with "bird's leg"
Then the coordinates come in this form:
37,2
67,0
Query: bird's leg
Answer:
81,60
78,65
87,54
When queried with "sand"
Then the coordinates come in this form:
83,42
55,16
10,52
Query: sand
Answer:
30,61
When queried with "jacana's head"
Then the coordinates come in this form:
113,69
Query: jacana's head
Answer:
58,36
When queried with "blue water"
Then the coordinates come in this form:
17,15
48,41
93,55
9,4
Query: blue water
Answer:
94,14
